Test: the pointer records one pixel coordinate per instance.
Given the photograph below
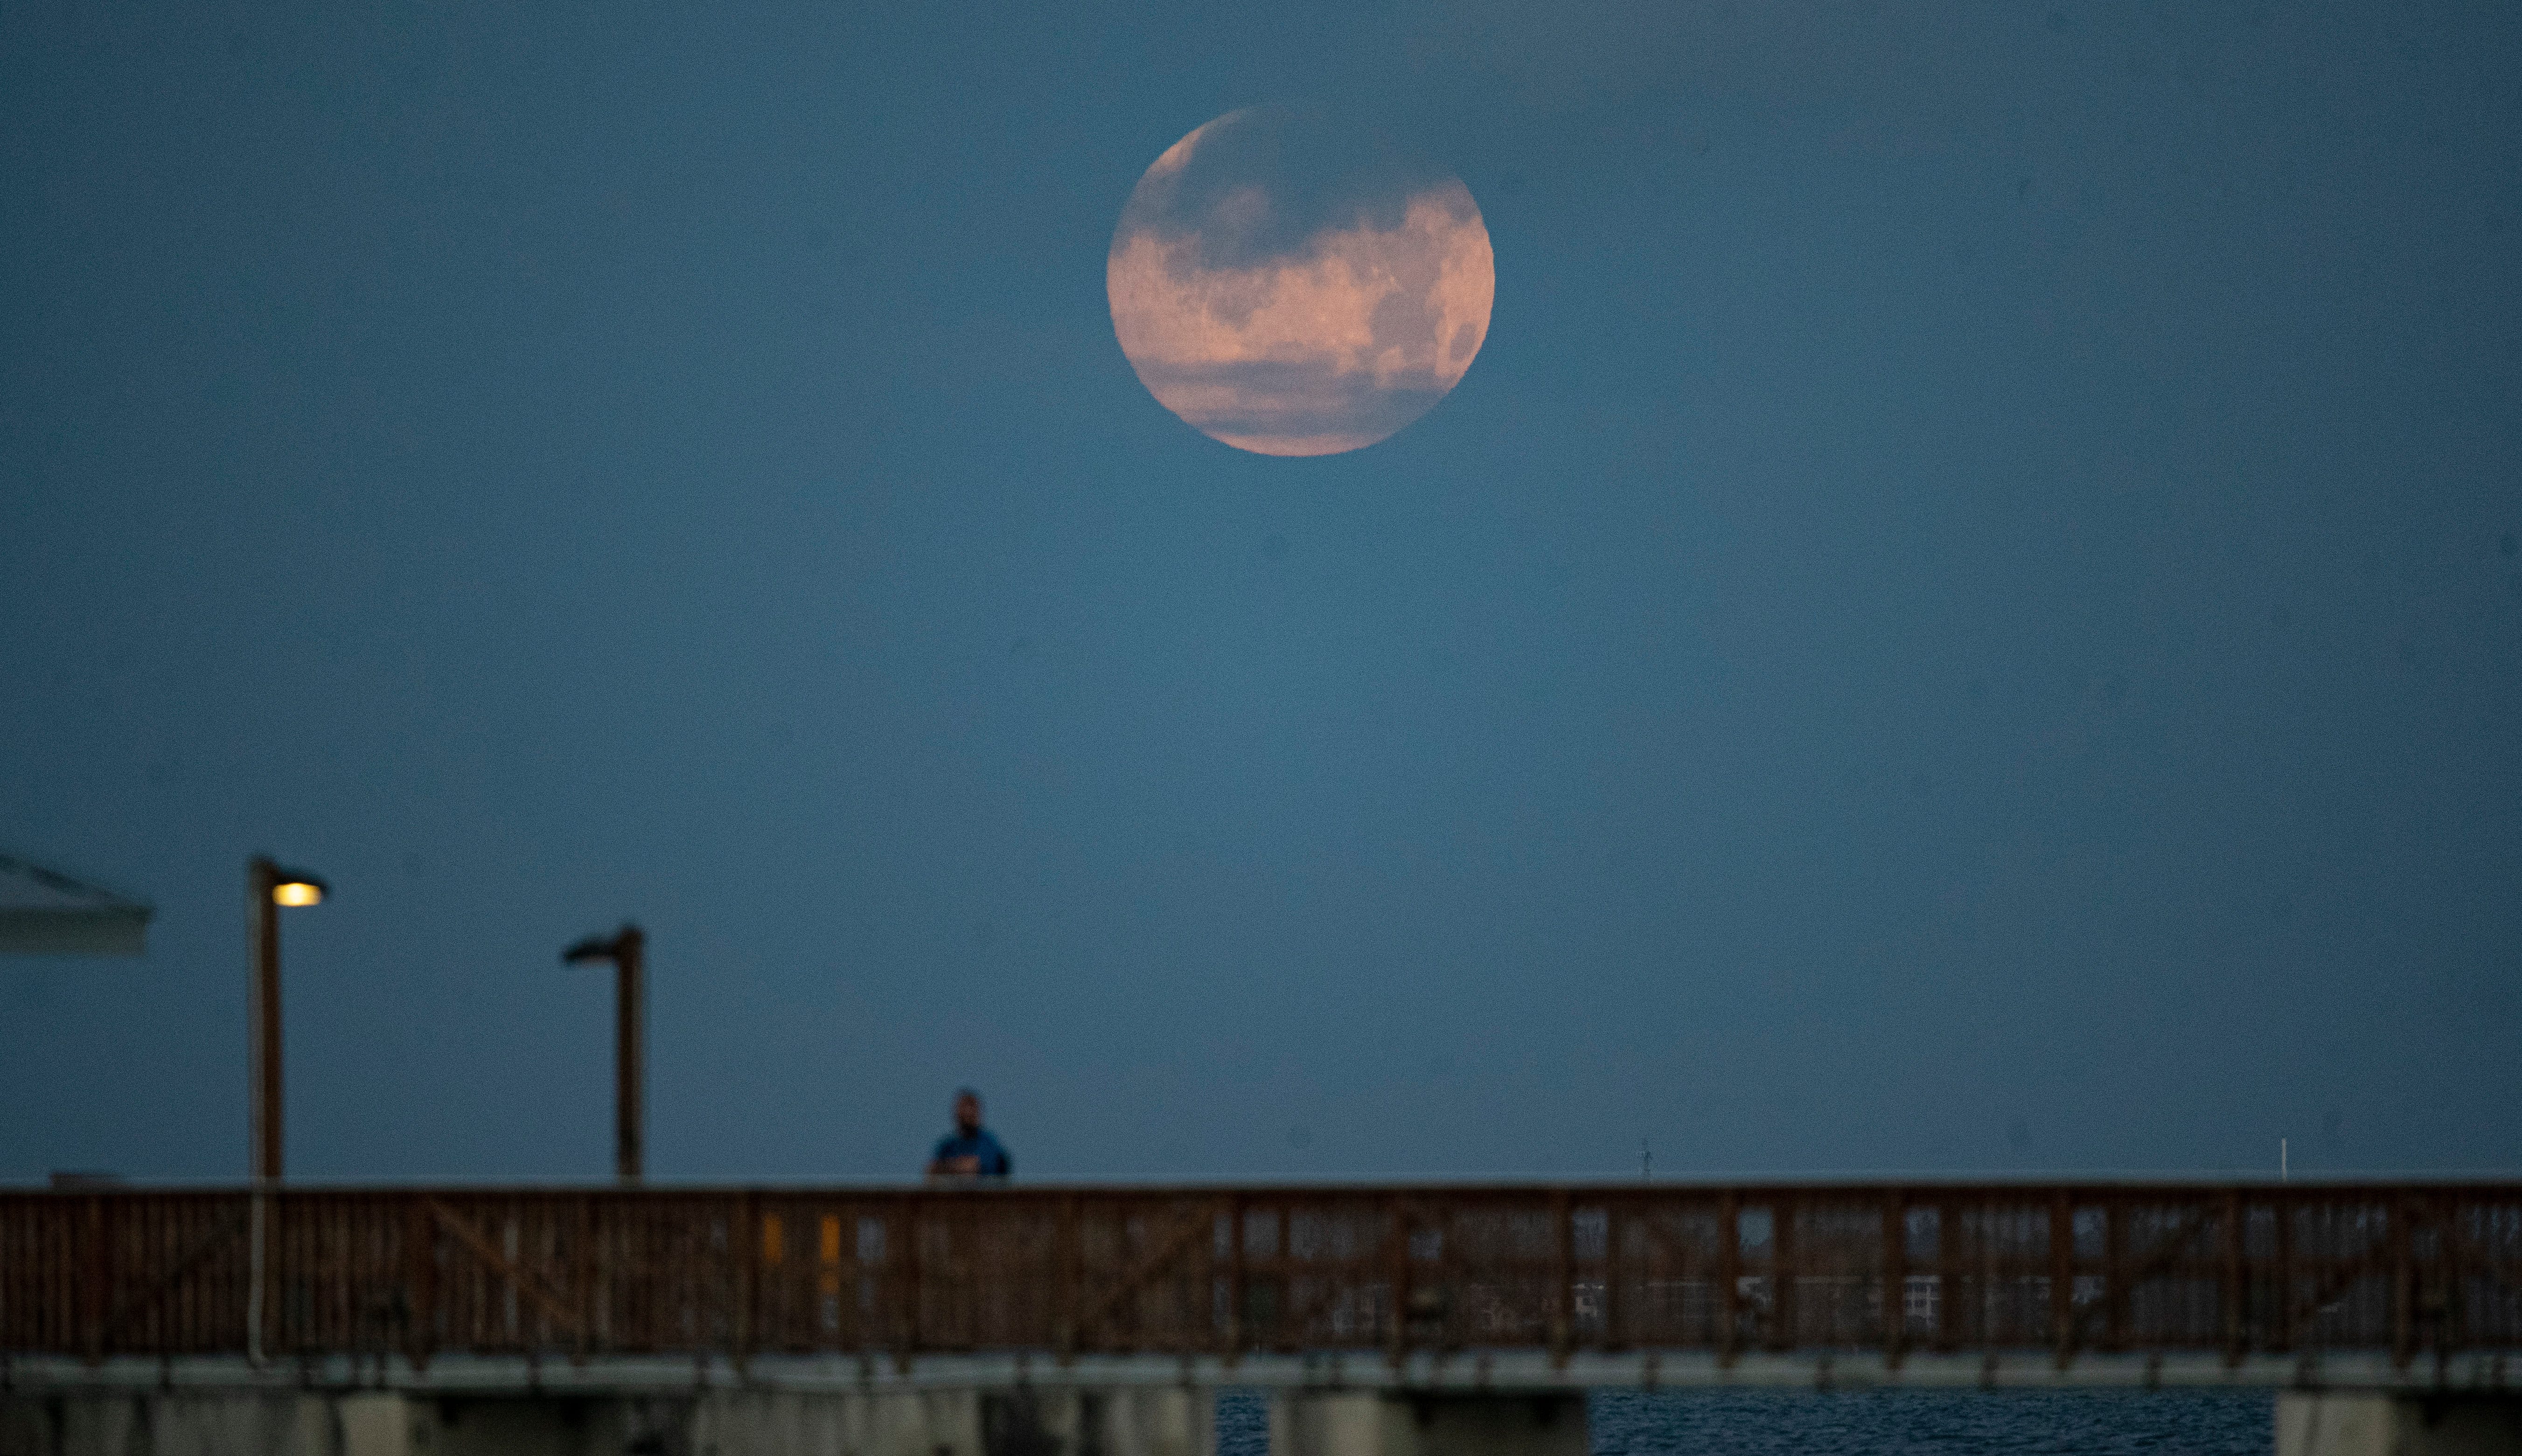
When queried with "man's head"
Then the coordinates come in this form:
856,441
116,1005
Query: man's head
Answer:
967,1110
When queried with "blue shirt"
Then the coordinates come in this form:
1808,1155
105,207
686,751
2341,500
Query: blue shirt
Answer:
994,1159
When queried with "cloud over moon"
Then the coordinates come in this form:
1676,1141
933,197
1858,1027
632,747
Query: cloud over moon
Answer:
1289,304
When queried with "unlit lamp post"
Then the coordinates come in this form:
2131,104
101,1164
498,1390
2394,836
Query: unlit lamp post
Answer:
625,948
267,889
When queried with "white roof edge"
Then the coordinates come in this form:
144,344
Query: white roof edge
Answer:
44,911
38,886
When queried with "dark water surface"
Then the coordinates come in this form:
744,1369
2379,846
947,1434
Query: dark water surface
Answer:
1759,1423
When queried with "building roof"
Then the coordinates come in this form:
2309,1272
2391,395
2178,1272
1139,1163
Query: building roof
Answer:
45,911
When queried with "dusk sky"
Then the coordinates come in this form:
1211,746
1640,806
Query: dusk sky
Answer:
1966,615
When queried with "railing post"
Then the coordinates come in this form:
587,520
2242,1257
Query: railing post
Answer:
1069,1288
1562,1275
1451,1319
274,1275
1783,1254
1396,1278
1729,1277
2114,1290
2402,1285
420,1276
1948,1278
584,1257
1614,1327
1223,1330
2062,1275
744,1246
2235,1291
2450,1328
93,1276
908,1321
2281,1327
1235,1332
1201,1331
839,1282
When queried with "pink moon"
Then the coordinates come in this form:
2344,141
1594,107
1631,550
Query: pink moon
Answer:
1285,286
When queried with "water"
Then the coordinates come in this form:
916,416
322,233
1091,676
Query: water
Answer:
1883,1422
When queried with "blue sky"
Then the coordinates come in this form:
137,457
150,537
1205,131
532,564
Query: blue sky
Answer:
1964,618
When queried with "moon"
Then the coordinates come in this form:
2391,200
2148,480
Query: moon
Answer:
1291,285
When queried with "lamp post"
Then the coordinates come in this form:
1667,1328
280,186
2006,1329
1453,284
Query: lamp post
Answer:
626,949
268,887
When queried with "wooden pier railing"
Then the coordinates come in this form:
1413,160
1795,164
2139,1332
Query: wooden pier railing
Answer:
2403,1268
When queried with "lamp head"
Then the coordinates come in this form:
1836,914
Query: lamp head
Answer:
295,888
600,948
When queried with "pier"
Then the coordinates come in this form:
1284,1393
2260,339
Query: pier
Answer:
1100,1321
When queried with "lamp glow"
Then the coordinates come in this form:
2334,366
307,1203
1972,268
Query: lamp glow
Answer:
298,892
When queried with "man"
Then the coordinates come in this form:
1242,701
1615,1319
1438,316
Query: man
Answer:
968,1151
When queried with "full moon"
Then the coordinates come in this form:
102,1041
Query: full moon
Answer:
1292,286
